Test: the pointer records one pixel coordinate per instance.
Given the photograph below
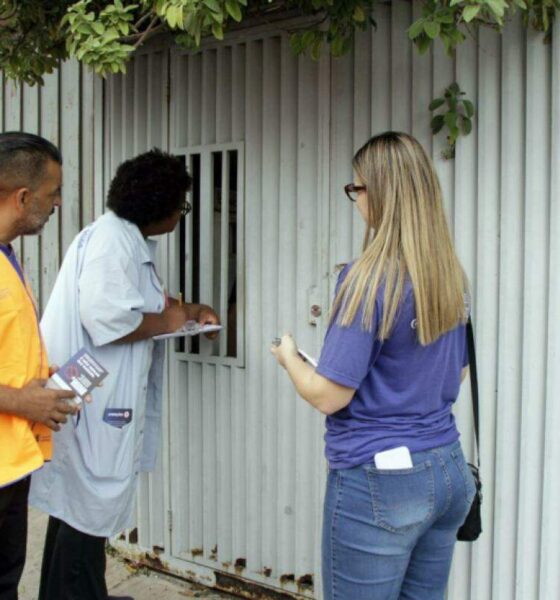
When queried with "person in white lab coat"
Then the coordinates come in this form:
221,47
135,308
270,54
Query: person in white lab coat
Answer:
109,299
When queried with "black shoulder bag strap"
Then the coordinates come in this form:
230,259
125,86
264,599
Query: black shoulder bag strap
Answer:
474,386
472,527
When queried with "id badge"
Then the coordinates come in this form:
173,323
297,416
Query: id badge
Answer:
117,417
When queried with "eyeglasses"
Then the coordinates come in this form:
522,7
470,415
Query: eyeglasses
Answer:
185,208
352,191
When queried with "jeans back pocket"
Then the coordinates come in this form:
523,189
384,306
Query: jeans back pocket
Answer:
402,499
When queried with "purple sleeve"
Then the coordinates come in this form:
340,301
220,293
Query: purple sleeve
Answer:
348,353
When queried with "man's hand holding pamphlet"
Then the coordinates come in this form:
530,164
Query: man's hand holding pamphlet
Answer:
80,374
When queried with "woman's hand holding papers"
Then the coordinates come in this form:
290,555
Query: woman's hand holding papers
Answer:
286,349
322,393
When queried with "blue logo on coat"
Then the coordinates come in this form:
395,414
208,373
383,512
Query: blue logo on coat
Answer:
117,417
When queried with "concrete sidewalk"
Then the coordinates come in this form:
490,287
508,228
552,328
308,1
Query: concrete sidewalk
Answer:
121,580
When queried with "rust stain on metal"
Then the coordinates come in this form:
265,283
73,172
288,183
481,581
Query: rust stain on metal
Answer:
133,536
226,582
197,551
240,564
203,581
305,583
154,562
146,559
214,553
157,550
249,589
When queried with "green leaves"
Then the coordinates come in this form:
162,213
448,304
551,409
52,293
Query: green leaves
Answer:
105,33
470,12
106,38
438,21
234,10
450,21
432,29
456,118
435,104
359,14
213,5
469,108
99,39
416,29
437,123
337,28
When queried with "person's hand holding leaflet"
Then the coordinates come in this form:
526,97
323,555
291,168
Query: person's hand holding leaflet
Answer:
323,394
38,404
201,313
87,398
174,316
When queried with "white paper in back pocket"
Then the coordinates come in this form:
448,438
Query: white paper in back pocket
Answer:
396,458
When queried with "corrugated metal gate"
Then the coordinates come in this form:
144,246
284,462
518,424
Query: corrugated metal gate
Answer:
232,493
238,451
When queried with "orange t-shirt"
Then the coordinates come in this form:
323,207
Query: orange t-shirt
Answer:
23,446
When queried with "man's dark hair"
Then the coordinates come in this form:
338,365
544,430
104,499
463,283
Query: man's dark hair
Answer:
23,158
149,188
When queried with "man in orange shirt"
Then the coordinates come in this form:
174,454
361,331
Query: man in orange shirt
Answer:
30,189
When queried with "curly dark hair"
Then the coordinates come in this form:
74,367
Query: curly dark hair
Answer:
149,188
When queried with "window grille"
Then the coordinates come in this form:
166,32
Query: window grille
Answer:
211,260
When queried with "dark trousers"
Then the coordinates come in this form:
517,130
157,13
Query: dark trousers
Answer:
73,564
13,536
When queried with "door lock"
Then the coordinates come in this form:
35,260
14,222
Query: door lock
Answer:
316,310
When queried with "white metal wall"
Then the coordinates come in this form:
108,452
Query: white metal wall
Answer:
244,473
241,465
502,201
67,110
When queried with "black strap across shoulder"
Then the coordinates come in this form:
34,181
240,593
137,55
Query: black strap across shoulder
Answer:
474,385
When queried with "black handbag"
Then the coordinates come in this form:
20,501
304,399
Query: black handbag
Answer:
472,527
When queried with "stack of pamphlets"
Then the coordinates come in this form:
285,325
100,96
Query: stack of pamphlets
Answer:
80,374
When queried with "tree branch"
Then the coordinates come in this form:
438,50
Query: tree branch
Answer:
150,31
142,20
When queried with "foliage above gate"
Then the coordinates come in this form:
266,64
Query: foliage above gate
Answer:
36,34
103,34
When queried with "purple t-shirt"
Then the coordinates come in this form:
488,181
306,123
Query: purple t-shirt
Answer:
404,391
11,256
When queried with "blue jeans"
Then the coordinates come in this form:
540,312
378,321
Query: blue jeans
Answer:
389,535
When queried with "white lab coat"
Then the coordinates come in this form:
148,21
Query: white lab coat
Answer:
106,282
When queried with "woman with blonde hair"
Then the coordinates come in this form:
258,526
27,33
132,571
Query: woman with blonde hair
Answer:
390,369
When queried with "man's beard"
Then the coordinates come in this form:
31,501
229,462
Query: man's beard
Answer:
32,224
